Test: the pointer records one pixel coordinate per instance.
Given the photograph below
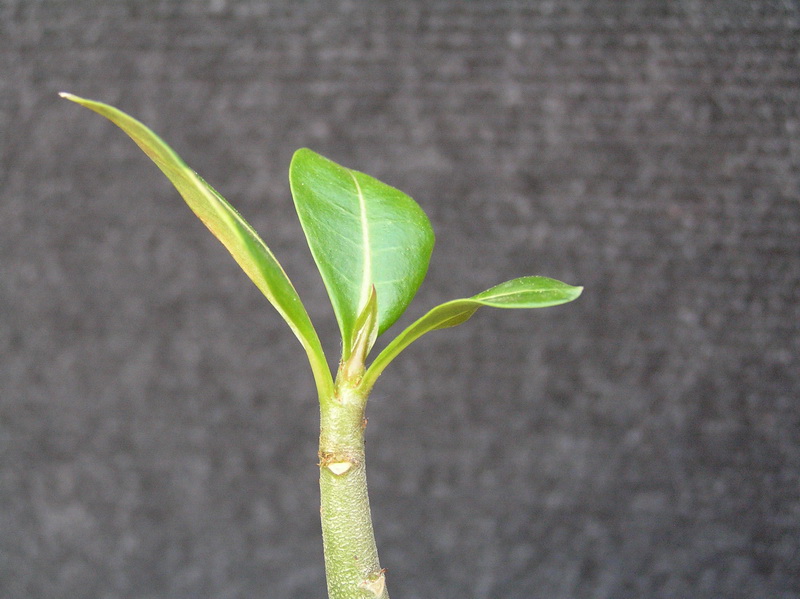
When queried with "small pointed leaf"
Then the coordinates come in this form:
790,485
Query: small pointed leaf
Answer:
366,332
524,292
361,233
231,229
366,326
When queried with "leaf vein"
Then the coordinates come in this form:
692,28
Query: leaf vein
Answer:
366,276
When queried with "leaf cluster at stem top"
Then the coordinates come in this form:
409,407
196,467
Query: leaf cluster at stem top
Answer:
371,242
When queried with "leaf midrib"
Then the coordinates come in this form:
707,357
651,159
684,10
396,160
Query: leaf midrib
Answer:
366,275
510,293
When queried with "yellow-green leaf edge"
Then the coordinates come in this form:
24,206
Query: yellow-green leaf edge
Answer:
238,237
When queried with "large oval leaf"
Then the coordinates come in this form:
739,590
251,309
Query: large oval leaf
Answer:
232,230
362,233
524,292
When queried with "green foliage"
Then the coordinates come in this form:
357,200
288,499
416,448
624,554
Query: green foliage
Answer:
240,239
371,242
362,233
525,292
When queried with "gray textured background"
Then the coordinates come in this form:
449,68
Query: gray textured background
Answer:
157,419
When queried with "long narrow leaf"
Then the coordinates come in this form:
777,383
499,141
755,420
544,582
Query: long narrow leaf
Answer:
524,292
240,239
362,233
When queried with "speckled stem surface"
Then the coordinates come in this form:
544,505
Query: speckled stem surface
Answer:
351,557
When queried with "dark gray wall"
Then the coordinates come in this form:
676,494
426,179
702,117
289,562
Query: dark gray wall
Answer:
157,419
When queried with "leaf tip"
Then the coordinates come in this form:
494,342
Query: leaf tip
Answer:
572,292
74,98
300,153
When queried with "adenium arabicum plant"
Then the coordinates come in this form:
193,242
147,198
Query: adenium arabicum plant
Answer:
372,244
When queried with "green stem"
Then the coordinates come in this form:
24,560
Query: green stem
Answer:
351,557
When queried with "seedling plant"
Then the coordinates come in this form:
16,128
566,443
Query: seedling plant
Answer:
372,244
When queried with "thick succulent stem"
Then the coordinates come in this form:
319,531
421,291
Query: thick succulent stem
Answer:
351,557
